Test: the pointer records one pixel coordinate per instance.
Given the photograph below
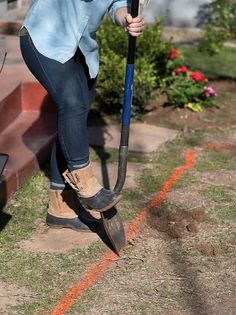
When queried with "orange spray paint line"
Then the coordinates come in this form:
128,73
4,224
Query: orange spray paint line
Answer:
226,147
66,302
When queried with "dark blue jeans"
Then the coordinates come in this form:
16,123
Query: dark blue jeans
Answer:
72,89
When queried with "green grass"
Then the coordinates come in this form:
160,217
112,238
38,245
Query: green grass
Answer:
219,194
214,160
225,199
50,275
227,213
220,65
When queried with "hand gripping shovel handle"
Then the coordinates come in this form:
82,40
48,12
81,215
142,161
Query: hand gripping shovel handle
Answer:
126,114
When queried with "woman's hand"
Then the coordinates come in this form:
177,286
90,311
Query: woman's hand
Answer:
134,26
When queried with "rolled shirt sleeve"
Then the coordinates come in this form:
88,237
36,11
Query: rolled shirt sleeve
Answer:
117,4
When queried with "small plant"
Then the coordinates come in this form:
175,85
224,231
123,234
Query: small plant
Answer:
186,88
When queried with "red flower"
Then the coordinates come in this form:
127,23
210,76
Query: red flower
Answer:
173,54
180,70
198,76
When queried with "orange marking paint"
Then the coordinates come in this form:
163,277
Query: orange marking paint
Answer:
227,147
178,172
93,274
212,145
68,300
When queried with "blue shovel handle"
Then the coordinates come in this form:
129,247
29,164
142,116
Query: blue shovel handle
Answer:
127,105
129,77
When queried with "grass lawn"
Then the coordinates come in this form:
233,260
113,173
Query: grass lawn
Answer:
218,66
48,276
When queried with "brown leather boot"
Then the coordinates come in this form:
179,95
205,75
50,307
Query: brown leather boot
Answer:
91,194
63,212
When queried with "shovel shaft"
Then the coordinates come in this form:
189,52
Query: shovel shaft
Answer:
127,104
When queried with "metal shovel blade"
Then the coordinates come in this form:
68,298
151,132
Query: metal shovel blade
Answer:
3,161
114,228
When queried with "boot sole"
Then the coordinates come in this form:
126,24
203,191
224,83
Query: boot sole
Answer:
102,209
58,227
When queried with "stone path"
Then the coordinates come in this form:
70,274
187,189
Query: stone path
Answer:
58,241
107,174
143,138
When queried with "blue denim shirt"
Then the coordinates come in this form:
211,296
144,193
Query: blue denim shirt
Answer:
59,27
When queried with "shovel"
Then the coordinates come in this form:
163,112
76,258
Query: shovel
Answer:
111,219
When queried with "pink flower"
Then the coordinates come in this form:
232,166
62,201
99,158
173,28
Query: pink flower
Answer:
209,91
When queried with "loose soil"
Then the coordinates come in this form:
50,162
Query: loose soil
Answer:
181,263
210,118
11,295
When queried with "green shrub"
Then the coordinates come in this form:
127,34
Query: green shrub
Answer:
150,63
186,88
158,66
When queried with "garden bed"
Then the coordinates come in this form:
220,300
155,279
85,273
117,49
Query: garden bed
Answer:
220,117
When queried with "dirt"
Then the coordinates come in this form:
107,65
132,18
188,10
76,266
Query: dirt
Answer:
186,120
176,222
181,263
190,198
163,275
11,295
219,178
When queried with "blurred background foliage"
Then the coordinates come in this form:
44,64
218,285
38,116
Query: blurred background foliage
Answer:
218,20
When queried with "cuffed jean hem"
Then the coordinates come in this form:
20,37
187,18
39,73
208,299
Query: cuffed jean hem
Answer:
76,166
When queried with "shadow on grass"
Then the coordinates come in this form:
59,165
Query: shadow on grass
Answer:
175,225
195,298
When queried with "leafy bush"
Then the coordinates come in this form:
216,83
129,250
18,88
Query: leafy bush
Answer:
158,66
185,88
149,65
218,20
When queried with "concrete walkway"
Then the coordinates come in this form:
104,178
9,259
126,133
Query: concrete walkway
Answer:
143,138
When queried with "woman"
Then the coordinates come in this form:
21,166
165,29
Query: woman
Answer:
58,44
